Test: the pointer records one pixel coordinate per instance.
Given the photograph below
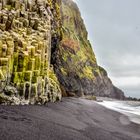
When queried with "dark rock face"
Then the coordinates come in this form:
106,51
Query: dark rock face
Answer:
75,63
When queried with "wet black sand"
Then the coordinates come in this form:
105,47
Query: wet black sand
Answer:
71,119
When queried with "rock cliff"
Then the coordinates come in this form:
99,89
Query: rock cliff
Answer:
76,65
26,31
45,53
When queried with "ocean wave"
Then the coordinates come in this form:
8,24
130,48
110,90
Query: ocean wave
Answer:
128,108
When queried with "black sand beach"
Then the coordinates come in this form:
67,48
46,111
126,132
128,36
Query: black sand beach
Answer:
71,119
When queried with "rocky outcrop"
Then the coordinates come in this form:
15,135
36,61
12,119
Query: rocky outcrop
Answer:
45,53
26,30
75,62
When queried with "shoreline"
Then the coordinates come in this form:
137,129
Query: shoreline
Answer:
71,119
129,108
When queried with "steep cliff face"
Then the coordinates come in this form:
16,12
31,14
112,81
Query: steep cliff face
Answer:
31,49
26,30
75,64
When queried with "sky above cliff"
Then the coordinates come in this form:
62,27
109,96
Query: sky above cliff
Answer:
114,31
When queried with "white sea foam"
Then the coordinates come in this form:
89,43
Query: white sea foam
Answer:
131,109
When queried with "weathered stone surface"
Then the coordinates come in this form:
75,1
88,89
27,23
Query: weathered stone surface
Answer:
75,62
9,100
30,51
26,29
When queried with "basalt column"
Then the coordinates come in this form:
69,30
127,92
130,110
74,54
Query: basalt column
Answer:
25,50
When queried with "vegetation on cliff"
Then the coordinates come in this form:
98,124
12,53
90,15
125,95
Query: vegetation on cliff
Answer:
44,52
26,31
76,65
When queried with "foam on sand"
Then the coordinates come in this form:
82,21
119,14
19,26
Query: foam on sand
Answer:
130,109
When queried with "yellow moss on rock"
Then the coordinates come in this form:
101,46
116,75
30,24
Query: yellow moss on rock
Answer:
25,46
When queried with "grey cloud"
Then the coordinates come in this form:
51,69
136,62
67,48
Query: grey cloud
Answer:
114,31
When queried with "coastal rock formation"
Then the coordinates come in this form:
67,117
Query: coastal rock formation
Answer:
75,62
26,31
45,53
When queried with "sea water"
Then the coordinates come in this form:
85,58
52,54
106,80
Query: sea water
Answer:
129,108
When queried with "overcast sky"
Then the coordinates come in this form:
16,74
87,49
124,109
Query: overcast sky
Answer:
114,31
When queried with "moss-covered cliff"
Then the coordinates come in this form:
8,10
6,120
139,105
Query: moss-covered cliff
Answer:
26,31
76,65
44,52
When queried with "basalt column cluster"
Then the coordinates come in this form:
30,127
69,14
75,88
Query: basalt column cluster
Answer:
26,28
